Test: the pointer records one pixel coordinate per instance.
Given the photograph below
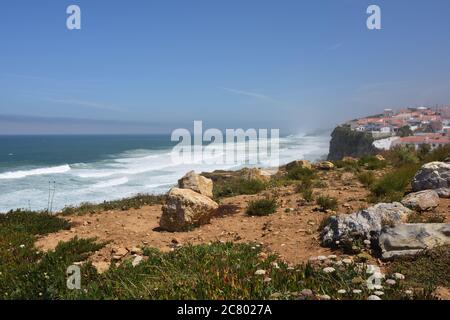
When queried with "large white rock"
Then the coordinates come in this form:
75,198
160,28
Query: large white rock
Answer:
422,201
365,224
197,183
433,175
409,239
185,209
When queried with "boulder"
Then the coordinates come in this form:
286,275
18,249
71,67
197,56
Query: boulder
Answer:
185,209
410,239
421,201
297,164
197,183
364,224
433,175
245,173
254,174
325,165
443,192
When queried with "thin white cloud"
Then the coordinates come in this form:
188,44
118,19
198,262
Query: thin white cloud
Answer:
248,94
335,46
87,104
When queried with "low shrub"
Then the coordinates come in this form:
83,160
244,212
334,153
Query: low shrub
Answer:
426,217
392,186
300,174
235,187
327,203
371,163
427,270
262,207
135,202
367,178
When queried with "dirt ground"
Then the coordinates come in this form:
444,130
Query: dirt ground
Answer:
292,232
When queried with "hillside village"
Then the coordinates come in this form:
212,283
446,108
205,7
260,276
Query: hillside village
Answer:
411,126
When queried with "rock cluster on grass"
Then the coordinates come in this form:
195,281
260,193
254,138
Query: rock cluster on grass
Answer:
433,175
422,201
185,209
384,223
364,224
407,239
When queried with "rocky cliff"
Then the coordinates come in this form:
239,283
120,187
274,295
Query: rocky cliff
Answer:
345,142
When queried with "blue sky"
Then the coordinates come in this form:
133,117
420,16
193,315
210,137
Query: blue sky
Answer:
150,66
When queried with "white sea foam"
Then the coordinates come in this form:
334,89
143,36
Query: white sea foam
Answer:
126,174
35,172
110,183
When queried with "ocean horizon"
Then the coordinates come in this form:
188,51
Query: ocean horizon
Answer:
73,169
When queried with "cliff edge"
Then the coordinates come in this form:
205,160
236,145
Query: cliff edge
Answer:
346,142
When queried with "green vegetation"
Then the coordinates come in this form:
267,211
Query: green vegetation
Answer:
300,174
367,178
371,163
405,131
391,187
26,273
426,270
262,207
401,156
216,271
406,162
135,202
237,186
326,203
324,222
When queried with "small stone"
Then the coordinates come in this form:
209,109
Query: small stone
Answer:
324,297
373,297
22,246
329,270
136,261
378,293
347,261
322,258
409,292
306,292
391,282
267,279
116,257
136,250
119,251
332,257
342,291
275,295
357,291
260,272
275,265
399,276
367,242
101,266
